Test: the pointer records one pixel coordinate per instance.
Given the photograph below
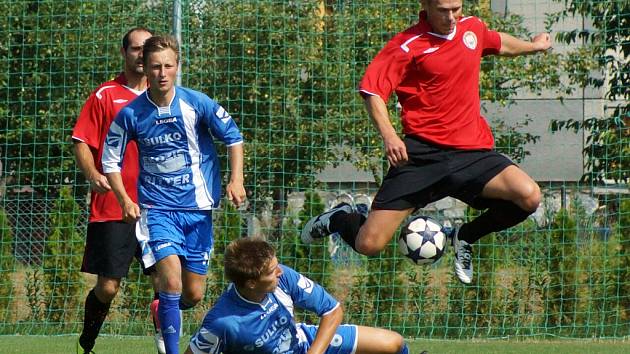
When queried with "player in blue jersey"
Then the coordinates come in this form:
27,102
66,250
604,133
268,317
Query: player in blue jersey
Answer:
255,313
175,129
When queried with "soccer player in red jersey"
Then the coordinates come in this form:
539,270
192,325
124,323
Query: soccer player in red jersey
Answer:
111,243
447,149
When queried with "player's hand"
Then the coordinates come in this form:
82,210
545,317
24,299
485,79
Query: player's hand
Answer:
131,212
396,151
542,41
99,184
235,192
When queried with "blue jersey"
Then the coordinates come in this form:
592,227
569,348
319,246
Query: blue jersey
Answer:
236,325
179,167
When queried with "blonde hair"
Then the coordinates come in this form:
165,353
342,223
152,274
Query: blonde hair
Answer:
158,44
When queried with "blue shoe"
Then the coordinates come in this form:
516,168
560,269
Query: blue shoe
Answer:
317,226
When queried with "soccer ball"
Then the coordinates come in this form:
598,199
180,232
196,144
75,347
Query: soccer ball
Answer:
422,240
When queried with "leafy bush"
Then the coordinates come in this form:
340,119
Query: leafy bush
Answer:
7,268
62,261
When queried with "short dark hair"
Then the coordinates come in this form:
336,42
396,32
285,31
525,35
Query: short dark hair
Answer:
160,43
125,40
246,259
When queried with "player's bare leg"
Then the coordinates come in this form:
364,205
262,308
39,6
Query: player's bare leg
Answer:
106,288
169,272
193,287
366,236
378,230
515,185
372,340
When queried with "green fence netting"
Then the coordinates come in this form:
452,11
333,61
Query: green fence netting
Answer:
287,71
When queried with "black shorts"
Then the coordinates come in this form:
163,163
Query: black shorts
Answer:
110,248
433,173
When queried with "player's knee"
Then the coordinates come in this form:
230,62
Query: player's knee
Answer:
106,292
532,198
171,285
393,343
193,299
192,295
369,243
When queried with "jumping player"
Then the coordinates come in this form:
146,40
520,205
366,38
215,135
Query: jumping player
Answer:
179,182
447,149
255,313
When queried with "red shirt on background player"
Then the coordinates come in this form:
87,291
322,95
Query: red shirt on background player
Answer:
91,129
447,149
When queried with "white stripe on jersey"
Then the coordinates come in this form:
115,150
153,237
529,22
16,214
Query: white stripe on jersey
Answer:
405,46
142,236
236,143
285,299
287,302
202,194
114,148
98,93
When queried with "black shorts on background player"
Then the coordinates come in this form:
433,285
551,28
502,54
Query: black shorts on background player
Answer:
110,248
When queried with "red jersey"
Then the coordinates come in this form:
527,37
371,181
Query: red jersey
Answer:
436,79
91,128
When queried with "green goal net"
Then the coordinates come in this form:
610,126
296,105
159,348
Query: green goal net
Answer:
287,71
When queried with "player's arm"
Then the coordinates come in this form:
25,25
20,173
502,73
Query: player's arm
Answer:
113,153
131,211
85,162
235,189
223,127
395,149
327,327
511,46
310,296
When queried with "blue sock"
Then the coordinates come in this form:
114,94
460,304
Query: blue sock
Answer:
170,321
404,350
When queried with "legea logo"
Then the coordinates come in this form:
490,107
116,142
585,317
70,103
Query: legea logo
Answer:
162,246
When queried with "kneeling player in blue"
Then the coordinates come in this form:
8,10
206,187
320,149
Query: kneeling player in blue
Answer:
255,313
179,182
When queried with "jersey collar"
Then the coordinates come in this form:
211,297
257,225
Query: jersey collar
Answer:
448,37
424,26
162,110
262,305
121,79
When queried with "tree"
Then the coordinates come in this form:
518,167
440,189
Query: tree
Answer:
52,61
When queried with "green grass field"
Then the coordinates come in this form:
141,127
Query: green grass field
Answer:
142,345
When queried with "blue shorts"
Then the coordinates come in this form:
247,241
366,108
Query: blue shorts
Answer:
188,234
344,341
